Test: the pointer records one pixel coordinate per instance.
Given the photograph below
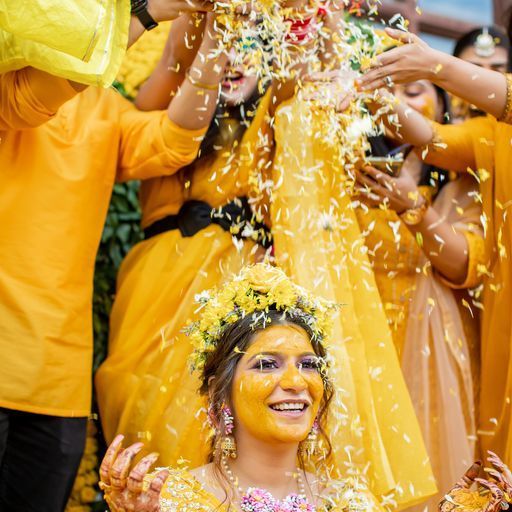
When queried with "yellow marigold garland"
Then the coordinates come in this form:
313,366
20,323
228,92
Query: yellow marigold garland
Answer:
254,291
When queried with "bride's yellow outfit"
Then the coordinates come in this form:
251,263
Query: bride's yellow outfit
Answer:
183,493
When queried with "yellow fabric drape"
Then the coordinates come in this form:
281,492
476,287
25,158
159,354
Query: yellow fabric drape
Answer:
439,360
82,41
318,241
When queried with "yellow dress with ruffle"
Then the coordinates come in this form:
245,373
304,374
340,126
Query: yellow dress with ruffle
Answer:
145,388
182,492
318,241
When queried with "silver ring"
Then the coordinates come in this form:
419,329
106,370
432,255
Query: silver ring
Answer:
389,82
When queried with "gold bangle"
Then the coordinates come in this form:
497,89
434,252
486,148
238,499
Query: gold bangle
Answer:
506,117
200,85
413,216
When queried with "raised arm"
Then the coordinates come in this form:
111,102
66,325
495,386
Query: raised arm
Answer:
185,38
415,60
157,143
448,249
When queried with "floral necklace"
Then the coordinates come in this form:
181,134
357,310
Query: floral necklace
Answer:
261,500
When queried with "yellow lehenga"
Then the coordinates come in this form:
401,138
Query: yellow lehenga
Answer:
435,335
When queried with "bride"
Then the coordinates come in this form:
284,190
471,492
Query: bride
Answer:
261,351
260,348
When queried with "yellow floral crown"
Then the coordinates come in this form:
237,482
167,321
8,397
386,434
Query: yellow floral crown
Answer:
256,290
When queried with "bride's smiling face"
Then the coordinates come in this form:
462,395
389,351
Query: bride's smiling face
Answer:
277,388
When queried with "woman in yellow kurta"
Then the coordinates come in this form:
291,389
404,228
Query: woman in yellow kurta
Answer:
480,146
418,267
144,382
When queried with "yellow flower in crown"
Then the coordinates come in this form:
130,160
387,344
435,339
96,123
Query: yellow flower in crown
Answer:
256,290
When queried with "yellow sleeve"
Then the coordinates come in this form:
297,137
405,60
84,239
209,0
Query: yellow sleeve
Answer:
476,258
453,146
82,41
69,27
29,98
152,145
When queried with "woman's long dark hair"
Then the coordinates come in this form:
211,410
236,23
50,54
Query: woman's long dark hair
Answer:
219,372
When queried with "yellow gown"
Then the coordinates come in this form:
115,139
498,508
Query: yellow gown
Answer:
184,493
482,145
318,241
145,387
435,336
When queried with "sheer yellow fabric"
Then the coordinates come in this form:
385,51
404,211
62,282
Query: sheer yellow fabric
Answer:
435,335
482,145
318,241
82,41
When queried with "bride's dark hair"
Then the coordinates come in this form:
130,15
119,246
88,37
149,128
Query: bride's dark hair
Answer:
219,371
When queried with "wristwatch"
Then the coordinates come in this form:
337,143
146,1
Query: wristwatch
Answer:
140,9
414,216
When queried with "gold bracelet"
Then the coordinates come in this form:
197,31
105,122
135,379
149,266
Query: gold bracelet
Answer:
200,85
506,117
413,216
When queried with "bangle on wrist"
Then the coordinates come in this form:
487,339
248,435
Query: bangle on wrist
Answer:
413,216
140,9
199,84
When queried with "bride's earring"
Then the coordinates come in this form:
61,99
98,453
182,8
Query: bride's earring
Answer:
228,443
308,447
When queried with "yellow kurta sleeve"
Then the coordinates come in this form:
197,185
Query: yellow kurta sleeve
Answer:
82,41
152,145
29,98
453,146
476,258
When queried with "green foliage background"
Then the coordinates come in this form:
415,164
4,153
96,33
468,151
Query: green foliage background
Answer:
121,232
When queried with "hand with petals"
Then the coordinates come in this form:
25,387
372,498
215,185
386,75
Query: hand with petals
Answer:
123,484
413,60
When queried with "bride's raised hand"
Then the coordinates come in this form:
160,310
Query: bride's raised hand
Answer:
124,485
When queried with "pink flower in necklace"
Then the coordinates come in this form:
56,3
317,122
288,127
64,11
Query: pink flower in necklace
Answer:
260,500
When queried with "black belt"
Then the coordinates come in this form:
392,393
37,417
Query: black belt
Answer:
235,217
